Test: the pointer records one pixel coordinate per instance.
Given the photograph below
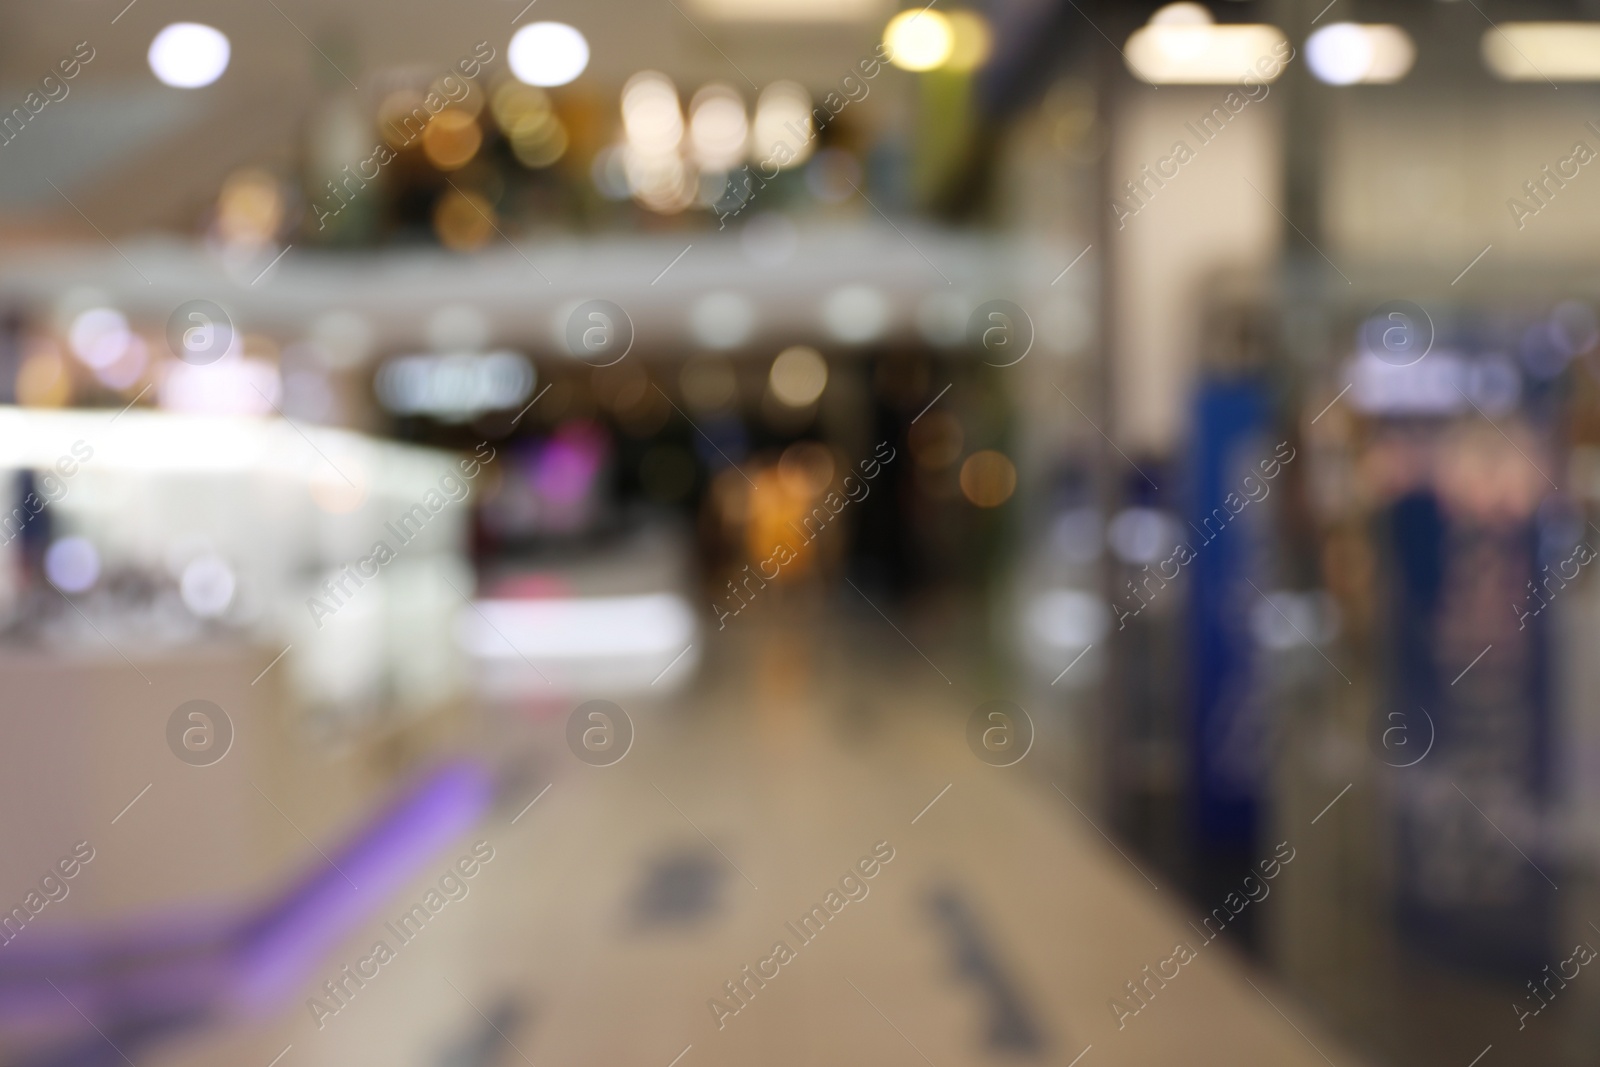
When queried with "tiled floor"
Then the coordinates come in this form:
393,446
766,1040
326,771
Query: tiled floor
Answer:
618,905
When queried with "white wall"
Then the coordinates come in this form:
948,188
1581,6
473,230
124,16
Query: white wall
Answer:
1204,220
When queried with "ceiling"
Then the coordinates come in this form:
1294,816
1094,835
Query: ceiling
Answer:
127,154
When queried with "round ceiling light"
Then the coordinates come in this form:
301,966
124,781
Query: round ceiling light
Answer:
547,54
918,39
187,55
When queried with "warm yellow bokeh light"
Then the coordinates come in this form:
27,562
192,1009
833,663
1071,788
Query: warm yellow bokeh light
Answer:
513,101
777,508
798,376
43,381
249,207
538,139
782,134
719,130
652,118
402,118
919,39
451,139
463,221
988,479
459,92
972,44
806,468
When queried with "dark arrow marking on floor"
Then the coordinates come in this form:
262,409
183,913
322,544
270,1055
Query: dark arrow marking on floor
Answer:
1011,1027
680,888
487,1040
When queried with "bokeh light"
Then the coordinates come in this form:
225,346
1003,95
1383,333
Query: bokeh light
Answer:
460,94
512,100
782,135
1346,53
451,139
653,128
548,54
1184,45
807,468
538,136
463,220
1339,54
188,55
651,117
798,376
43,380
718,128
658,180
129,367
714,438
1182,30
99,336
988,479
538,140
249,208
402,117
72,564
206,586
919,39
972,43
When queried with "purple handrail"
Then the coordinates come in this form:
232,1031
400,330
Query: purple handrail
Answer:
175,967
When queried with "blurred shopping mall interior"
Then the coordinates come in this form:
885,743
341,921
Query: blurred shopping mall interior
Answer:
685,533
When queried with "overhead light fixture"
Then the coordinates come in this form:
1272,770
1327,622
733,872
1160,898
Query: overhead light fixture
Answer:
918,39
1351,53
188,55
1543,51
1182,45
547,54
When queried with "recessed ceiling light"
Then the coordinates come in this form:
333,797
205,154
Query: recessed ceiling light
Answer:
547,54
1181,45
1347,53
1541,51
919,39
187,55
